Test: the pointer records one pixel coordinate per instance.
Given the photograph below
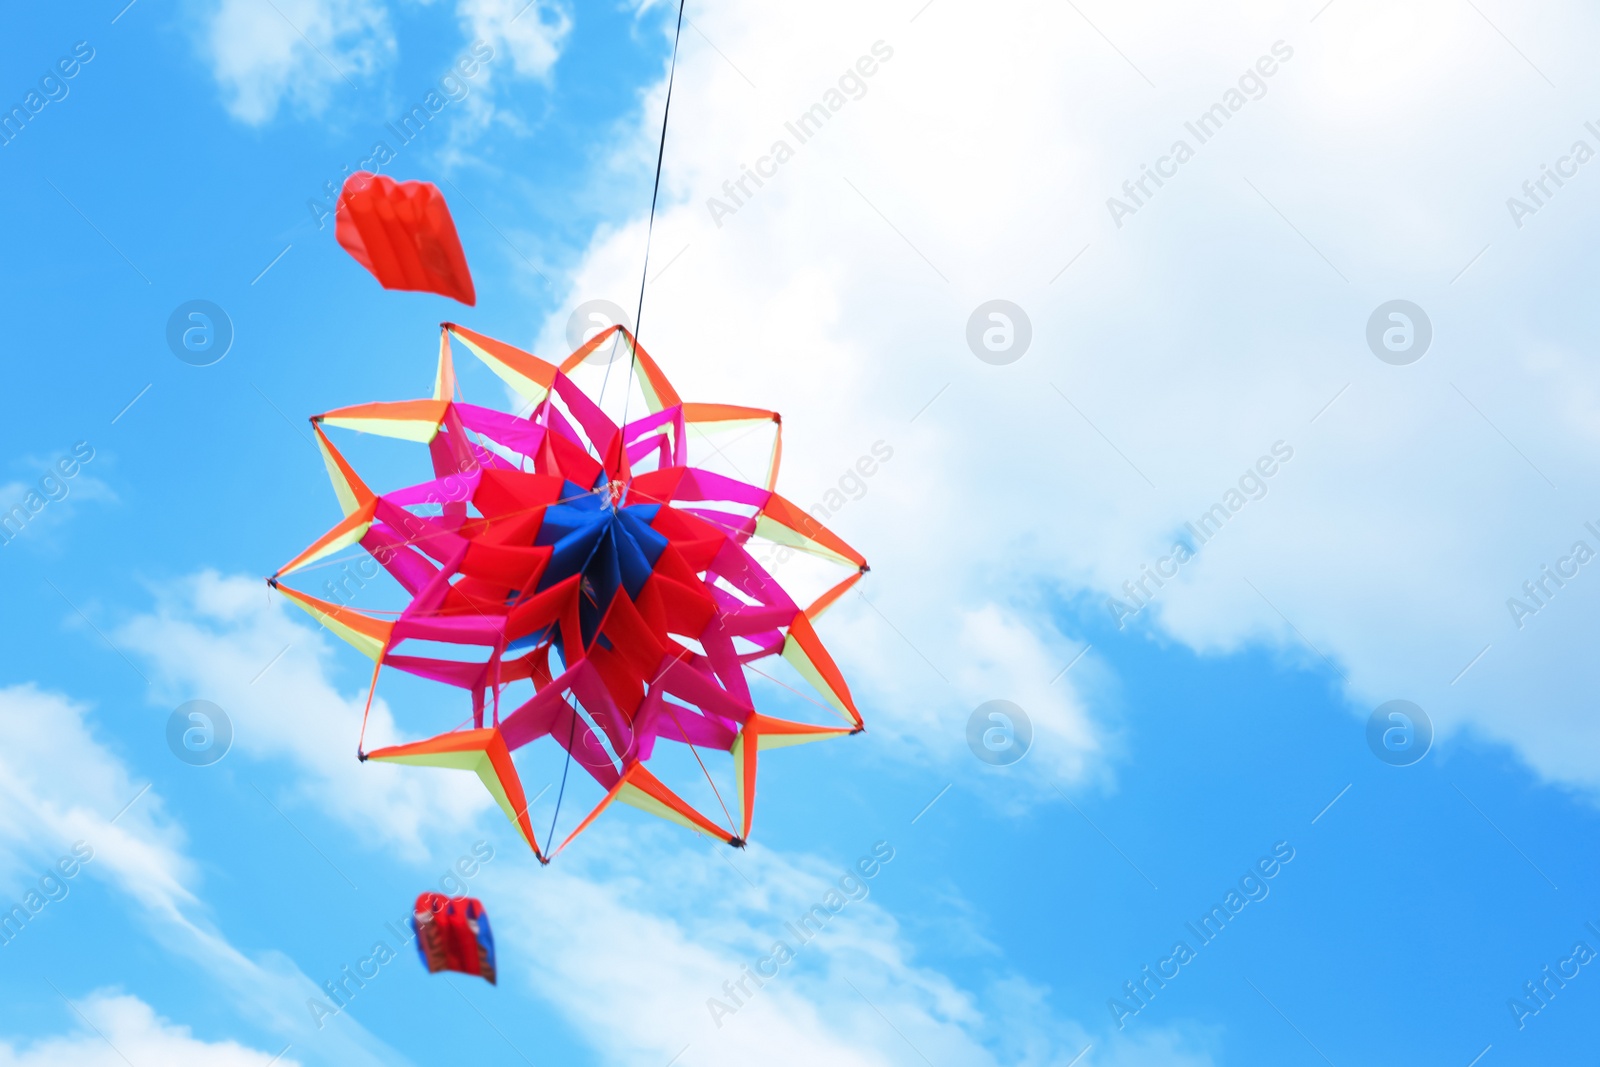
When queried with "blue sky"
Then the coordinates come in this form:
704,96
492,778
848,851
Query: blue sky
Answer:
1170,349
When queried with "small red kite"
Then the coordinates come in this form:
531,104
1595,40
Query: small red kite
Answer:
402,232
453,935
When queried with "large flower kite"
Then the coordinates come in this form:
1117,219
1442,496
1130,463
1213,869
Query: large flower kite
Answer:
594,562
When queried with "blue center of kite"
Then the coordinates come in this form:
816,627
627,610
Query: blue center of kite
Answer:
610,548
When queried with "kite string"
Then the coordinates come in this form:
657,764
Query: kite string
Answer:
790,688
638,315
732,826
366,713
655,193
571,732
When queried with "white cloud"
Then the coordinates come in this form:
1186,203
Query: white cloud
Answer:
50,497
978,164
121,1029
606,931
233,642
626,921
531,30
918,700
302,51
1003,655
773,303
59,784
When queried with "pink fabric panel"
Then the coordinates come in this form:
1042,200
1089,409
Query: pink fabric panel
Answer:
649,422
675,722
658,445
552,417
719,650
435,537
429,598
596,700
407,566
738,527
492,461
601,431
458,457
701,484
453,629
770,646
452,455
697,688
450,672
741,571
680,438
535,717
451,488
645,723
508,430
587,749
748,621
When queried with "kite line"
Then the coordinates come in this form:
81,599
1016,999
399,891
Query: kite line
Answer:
633,359
655,193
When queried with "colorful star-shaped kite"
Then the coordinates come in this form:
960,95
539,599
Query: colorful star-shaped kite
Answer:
597,564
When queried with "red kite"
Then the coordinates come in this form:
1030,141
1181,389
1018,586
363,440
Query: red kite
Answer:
402,232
